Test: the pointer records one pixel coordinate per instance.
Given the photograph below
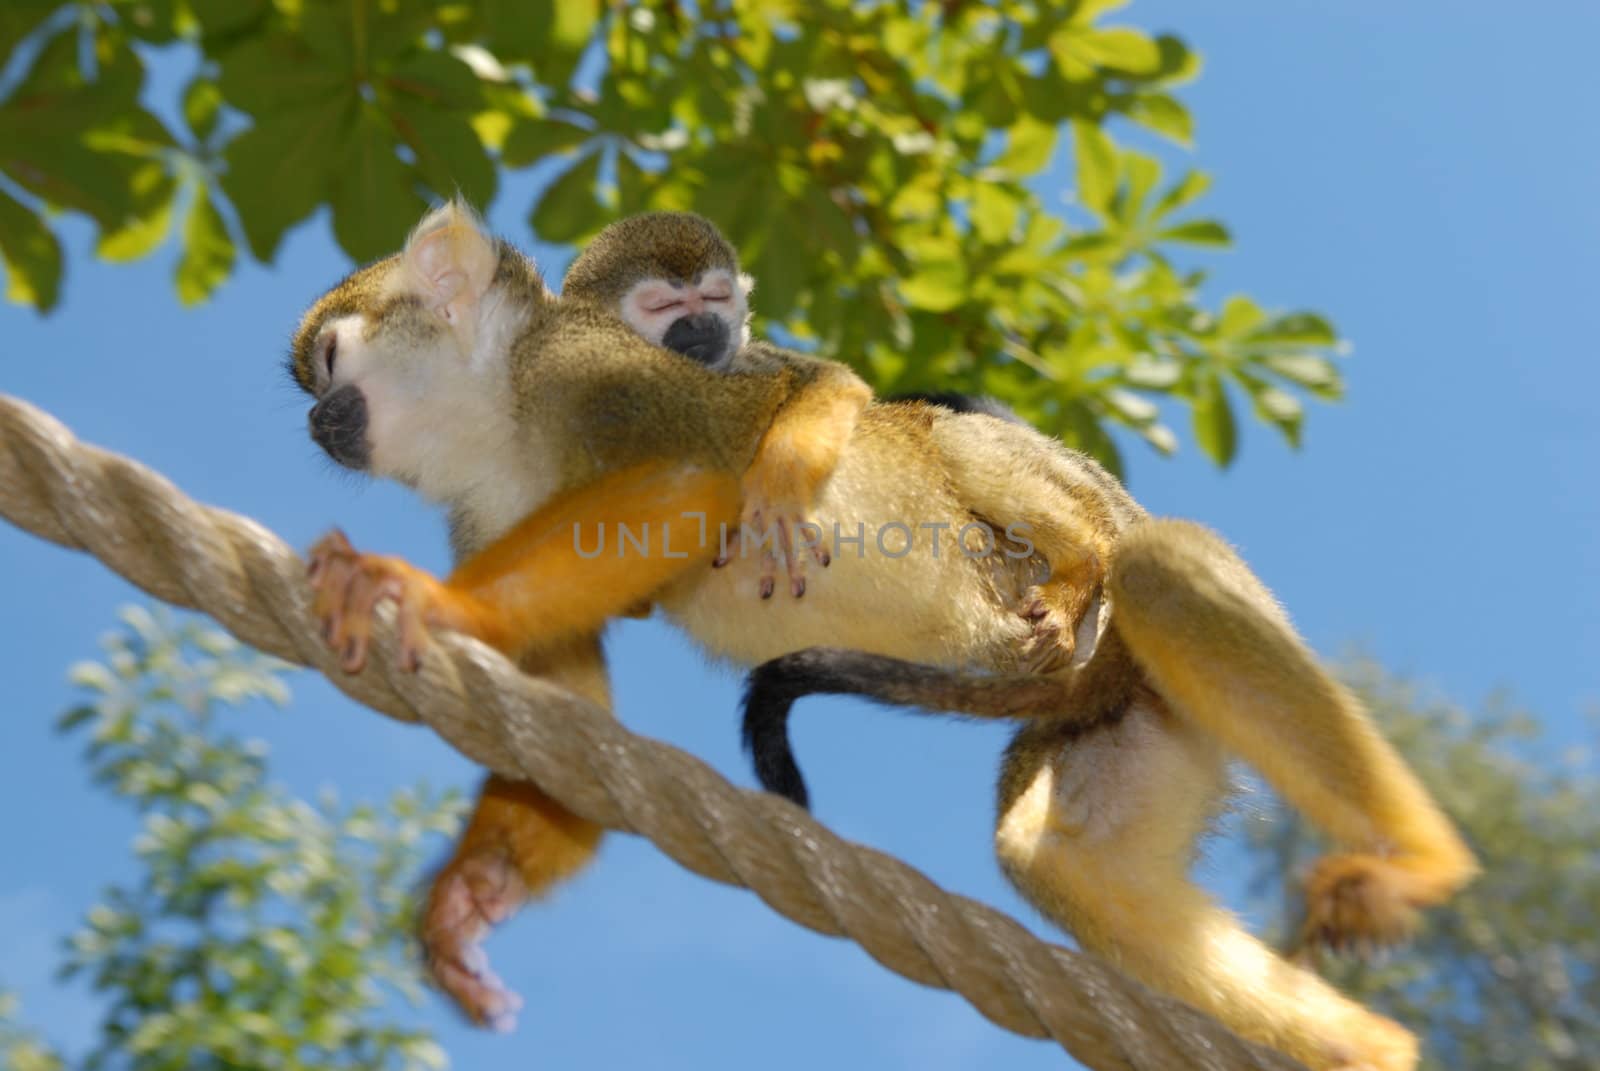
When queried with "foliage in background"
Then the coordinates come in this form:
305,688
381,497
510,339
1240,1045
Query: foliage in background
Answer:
265,931
20,1049
1507,978
876,164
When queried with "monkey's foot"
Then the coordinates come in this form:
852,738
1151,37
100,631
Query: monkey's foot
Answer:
349,586
469,898
1360,903
1054,611
779,529
1373,1043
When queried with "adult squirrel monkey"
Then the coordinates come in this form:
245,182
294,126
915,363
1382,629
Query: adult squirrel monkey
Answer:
452,368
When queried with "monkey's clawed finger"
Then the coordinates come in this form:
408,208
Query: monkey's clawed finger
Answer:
333,545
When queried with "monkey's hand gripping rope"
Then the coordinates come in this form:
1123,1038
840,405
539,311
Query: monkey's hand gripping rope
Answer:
233,569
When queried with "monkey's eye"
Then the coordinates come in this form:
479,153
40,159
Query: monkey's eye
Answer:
328,353
664,306
719,297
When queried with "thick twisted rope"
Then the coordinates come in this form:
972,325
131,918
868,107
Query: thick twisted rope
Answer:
254,585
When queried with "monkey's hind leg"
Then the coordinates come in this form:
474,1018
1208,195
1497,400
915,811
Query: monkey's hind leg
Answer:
1097,830
1220,651
518,845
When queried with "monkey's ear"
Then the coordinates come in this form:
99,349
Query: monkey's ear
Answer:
452,260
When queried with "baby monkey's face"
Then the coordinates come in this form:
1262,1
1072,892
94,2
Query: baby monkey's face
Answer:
702,319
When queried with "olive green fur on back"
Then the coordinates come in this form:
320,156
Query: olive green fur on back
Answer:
618,399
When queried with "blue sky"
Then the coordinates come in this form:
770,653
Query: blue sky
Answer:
1425,173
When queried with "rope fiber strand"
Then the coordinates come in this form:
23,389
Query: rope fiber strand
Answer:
250,581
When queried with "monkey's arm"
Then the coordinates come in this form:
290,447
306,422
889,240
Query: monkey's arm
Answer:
794,459
588,555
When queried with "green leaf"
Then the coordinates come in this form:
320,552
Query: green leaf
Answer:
77,144
1065,46
994,212
1316,374
92,676
1240,316
146,225
32,257
1164,115
1089,10
1159,436
1140,174
437,79
783,274
277,73
574,23
282,168
1029,144
1120,47
449,155
937,287
1179,62
1097,166
19,18
208,250
154,21
1278,408
1181,193
202,102
531,140
1199,232
1299,329
1152,374
570,208
563,35
77,716
222,18
375,199
1214,427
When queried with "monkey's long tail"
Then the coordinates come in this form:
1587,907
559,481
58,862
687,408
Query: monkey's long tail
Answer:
772,688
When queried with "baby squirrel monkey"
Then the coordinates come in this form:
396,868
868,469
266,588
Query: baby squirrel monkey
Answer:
452,368
674,279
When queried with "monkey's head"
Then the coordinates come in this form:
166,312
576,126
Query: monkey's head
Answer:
673,278
407,357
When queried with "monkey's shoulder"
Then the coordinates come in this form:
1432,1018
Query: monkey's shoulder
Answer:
759,357
621,399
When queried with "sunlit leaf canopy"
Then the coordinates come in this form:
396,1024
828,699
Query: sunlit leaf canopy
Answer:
878,165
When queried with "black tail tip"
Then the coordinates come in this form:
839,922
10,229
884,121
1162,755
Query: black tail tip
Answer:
779,774
768,696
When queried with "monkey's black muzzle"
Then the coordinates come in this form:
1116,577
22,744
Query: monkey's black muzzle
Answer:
702,337
339,426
